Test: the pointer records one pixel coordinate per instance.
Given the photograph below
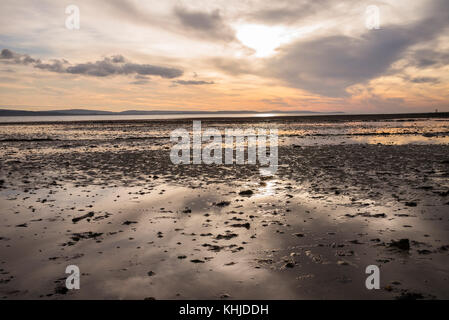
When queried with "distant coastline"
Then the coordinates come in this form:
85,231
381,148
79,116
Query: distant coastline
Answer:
46,117
86,112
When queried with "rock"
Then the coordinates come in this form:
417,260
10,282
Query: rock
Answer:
151,273
402,244
367,215
226,236
411,204
289,265
444,193
241,225
127,223
246,193
214,248
410,296
223,204
378,215
429,135
85,235
87,215
197,261
61,290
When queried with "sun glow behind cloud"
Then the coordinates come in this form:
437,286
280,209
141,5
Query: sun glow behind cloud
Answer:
230,55
266,39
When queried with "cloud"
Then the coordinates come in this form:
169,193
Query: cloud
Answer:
232,66
432,80
330,64
425,58
140,80
287,11
276,102
378,103
107,67
8,56
55,66
114,65
192,82
207,25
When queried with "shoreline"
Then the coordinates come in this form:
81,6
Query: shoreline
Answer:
286,118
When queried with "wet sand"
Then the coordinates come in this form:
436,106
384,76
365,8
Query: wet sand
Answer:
105,197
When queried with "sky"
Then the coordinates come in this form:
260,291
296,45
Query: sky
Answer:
322,55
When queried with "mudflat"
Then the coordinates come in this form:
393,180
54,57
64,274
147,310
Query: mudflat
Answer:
349,192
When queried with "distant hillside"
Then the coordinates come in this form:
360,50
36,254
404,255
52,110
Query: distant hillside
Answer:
84,112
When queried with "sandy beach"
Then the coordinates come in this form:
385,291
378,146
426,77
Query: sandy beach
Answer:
105,196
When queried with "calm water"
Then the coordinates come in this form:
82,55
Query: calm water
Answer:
144,117
414,131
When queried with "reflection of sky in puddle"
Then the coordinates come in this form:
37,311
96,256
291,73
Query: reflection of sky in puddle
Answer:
92,131
386,140
117,266
267,188
400,139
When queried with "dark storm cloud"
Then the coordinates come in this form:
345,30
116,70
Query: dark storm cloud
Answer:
192,82
329,65
207,25
115,65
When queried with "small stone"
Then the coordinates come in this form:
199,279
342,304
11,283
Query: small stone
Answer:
246,193
402,244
